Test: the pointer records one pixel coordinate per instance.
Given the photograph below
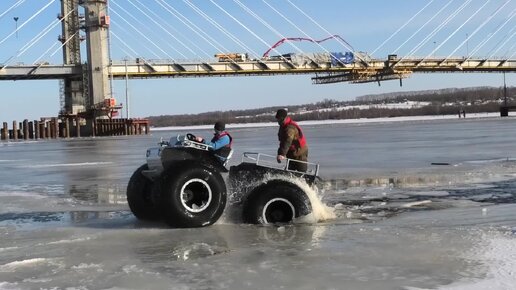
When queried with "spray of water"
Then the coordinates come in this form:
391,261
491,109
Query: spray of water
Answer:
320,211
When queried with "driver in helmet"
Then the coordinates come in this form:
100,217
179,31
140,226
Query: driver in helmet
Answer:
221,142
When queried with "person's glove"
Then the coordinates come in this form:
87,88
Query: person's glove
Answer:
279,158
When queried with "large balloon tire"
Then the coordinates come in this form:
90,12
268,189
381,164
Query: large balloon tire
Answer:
192,195
139,196
276,201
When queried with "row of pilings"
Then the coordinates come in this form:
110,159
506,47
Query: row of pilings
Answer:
53,128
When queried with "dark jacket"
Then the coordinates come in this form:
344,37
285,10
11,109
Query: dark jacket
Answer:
292,141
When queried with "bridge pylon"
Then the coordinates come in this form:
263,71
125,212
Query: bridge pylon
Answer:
72,88
86,94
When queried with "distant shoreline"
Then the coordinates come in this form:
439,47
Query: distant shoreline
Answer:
343,121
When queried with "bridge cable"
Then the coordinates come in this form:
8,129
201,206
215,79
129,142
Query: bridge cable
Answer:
11,8
265,23
513,48
345,44
141,24
455,32
160,26
248,30
303,32
478,29
481,44
220,27
403,26
32,42
437,29
123,29
502,42
200,32
506,38
137,30
44,32
56,50
27,21
170,27
124,43
423,26
440,27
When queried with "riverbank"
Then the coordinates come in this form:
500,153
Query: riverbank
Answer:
343,121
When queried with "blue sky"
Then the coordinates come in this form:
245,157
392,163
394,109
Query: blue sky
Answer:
364,24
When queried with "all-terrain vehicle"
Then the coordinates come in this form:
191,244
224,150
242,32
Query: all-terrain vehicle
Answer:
182,184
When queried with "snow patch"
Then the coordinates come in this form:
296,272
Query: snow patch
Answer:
21,194
13,266
67,164
69,241
8,249
8,286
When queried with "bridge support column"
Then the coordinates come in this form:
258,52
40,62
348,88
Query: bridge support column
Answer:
72,90
97,24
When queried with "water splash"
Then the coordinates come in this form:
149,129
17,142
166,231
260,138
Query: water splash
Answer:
320,211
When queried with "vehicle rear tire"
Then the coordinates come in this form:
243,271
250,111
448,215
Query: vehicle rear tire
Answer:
139,196
276,201
192,195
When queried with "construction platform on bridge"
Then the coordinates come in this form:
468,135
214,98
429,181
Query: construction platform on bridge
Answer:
54,128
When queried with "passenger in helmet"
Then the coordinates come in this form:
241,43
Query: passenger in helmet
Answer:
221,142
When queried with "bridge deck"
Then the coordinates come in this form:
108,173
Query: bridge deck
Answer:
351,72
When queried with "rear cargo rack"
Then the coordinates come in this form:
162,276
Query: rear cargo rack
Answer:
269,161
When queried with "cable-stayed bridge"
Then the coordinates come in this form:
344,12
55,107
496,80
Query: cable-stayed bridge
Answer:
371,71
88,67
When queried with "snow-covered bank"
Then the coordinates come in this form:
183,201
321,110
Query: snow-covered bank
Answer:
344,121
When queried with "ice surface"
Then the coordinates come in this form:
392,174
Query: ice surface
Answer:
64,220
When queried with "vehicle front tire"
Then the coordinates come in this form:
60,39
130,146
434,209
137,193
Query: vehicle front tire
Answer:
193,195
276,201
139,196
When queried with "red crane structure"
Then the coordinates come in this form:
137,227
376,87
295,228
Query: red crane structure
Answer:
281,41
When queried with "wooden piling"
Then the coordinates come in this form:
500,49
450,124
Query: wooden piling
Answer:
25,129
66,128
52,128
5,131
42,131
48,130
126,127
78,126
31,130
15,130
55,125
36,130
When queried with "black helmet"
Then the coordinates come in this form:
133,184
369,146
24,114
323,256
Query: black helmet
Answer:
281,114
220,126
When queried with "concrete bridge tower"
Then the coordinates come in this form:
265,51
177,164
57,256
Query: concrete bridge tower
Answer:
72,88
85,95
97,45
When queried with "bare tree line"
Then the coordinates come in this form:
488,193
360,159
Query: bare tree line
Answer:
441,102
